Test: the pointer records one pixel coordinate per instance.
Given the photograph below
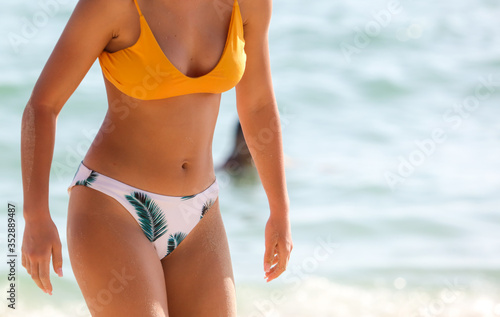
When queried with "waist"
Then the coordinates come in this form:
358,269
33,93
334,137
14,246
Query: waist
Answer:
170,177
161,146
172,162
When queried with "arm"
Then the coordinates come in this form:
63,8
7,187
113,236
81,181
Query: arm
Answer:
259,117
88,31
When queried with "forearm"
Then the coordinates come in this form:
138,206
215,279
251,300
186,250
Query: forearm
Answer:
262,130
37,147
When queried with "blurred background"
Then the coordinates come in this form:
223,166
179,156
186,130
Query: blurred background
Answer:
390,115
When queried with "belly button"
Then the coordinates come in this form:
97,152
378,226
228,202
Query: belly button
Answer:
184,165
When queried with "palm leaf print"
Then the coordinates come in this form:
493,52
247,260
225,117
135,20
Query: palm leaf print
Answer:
206,206
92,177
174,240
187,197
151,217
89,180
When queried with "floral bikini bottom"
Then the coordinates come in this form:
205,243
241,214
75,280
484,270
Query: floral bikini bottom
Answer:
165,220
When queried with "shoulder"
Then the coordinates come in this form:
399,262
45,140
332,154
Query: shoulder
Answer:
109,16
255,11
107,4
111,9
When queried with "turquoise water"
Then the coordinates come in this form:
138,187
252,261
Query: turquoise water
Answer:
390,119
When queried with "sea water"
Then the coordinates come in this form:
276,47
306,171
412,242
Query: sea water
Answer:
390,116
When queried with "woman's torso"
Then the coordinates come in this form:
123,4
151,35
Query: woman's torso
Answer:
165,145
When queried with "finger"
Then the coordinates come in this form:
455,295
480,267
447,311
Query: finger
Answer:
275,261
282,264
57,259
269,257
284,256
44,274
275,272
28,264
271,271
36,276
271,242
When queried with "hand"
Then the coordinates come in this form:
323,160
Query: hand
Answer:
40,241
279,245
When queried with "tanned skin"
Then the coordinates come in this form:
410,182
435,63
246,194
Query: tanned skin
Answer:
162,146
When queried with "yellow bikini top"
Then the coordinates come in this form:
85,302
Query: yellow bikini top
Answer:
144,72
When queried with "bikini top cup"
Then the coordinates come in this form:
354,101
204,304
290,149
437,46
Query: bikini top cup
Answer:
144,72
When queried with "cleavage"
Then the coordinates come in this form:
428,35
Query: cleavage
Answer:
192,40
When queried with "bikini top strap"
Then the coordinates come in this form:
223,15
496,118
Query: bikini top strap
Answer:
137,6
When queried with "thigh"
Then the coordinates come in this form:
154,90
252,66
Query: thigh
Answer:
198,273
115,265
